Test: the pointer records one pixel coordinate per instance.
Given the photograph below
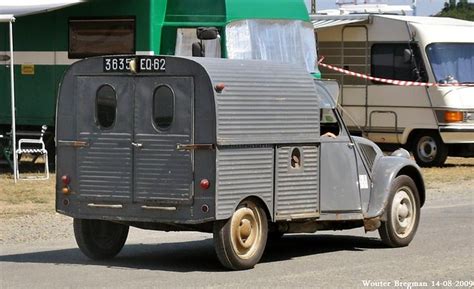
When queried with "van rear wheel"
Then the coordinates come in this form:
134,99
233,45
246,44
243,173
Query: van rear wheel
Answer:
100,239
240,241
403,213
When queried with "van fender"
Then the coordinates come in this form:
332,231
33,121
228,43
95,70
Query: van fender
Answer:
385,171
255,198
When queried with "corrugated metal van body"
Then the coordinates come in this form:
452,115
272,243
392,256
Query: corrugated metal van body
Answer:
297,188
241,173
264,103
105,170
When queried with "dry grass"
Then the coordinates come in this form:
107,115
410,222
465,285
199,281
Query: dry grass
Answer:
25,197
455,170
31,197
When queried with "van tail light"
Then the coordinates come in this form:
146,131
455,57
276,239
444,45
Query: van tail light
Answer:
453,116
66,180
205,184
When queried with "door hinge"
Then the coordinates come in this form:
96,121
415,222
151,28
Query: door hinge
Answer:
190,147
73,143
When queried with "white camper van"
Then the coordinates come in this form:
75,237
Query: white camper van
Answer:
432,121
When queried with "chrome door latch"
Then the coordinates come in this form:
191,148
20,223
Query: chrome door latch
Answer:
137,145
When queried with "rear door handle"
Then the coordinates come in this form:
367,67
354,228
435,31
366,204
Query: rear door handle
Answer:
137,145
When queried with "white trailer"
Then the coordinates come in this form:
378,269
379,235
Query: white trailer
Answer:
431,121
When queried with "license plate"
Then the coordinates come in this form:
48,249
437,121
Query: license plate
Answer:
143,64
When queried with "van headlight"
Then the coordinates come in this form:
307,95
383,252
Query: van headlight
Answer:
402,153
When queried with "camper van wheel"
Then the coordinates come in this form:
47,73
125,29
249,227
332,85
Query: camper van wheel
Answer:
429,150
240,240
403,213
99,239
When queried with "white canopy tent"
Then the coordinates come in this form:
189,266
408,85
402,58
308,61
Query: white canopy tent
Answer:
8,11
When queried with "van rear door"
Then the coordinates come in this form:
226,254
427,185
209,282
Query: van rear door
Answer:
163,119
104,124
131,127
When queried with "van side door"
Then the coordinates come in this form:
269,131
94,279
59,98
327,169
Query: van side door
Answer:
339,189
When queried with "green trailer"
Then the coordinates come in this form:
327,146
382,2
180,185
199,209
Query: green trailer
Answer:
46,44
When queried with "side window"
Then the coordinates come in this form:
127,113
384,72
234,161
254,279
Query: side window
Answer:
106,106
185,37
163,106
92,37
329,125
389,60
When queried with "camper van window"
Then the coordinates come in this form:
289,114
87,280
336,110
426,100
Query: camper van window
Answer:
276,40
185,37
92,37
452,62
163,106
106,106
388,60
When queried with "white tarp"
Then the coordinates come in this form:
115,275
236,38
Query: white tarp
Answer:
26,7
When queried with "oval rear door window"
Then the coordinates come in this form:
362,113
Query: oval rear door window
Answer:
163,106
106,106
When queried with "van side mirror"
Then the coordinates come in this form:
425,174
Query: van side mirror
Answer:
407,55
207,33
198,49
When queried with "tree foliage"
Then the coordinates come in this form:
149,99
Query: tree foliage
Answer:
461,10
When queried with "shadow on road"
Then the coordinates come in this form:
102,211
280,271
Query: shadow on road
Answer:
198,255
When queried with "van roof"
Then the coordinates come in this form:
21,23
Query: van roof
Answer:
323,21
429,20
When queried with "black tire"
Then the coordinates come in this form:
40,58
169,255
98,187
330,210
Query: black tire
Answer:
402,213
240,241
99,239
274,236
429,149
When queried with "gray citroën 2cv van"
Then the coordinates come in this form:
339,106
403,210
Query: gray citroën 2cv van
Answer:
238,148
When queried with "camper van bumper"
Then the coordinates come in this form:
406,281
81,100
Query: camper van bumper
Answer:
457,134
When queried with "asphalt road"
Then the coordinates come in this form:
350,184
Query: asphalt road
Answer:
442,252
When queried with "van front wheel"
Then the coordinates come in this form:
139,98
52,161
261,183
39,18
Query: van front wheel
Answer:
429,150
403,213
100,239
240,240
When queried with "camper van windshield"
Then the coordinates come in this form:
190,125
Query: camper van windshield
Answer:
452,62
287,41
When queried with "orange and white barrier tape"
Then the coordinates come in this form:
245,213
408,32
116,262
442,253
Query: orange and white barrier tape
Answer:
389,81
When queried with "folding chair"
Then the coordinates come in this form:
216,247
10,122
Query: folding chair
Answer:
33,147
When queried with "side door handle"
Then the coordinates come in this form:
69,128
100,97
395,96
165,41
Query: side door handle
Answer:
137,145
350,145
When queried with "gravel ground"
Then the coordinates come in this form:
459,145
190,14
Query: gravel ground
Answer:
38,227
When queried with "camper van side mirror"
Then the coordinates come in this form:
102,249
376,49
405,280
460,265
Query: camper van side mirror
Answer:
407,55
207,33
198,49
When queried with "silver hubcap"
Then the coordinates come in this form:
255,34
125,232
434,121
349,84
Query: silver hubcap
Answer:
403,212
427,148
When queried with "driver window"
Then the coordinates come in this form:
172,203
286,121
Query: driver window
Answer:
185,37
329,125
